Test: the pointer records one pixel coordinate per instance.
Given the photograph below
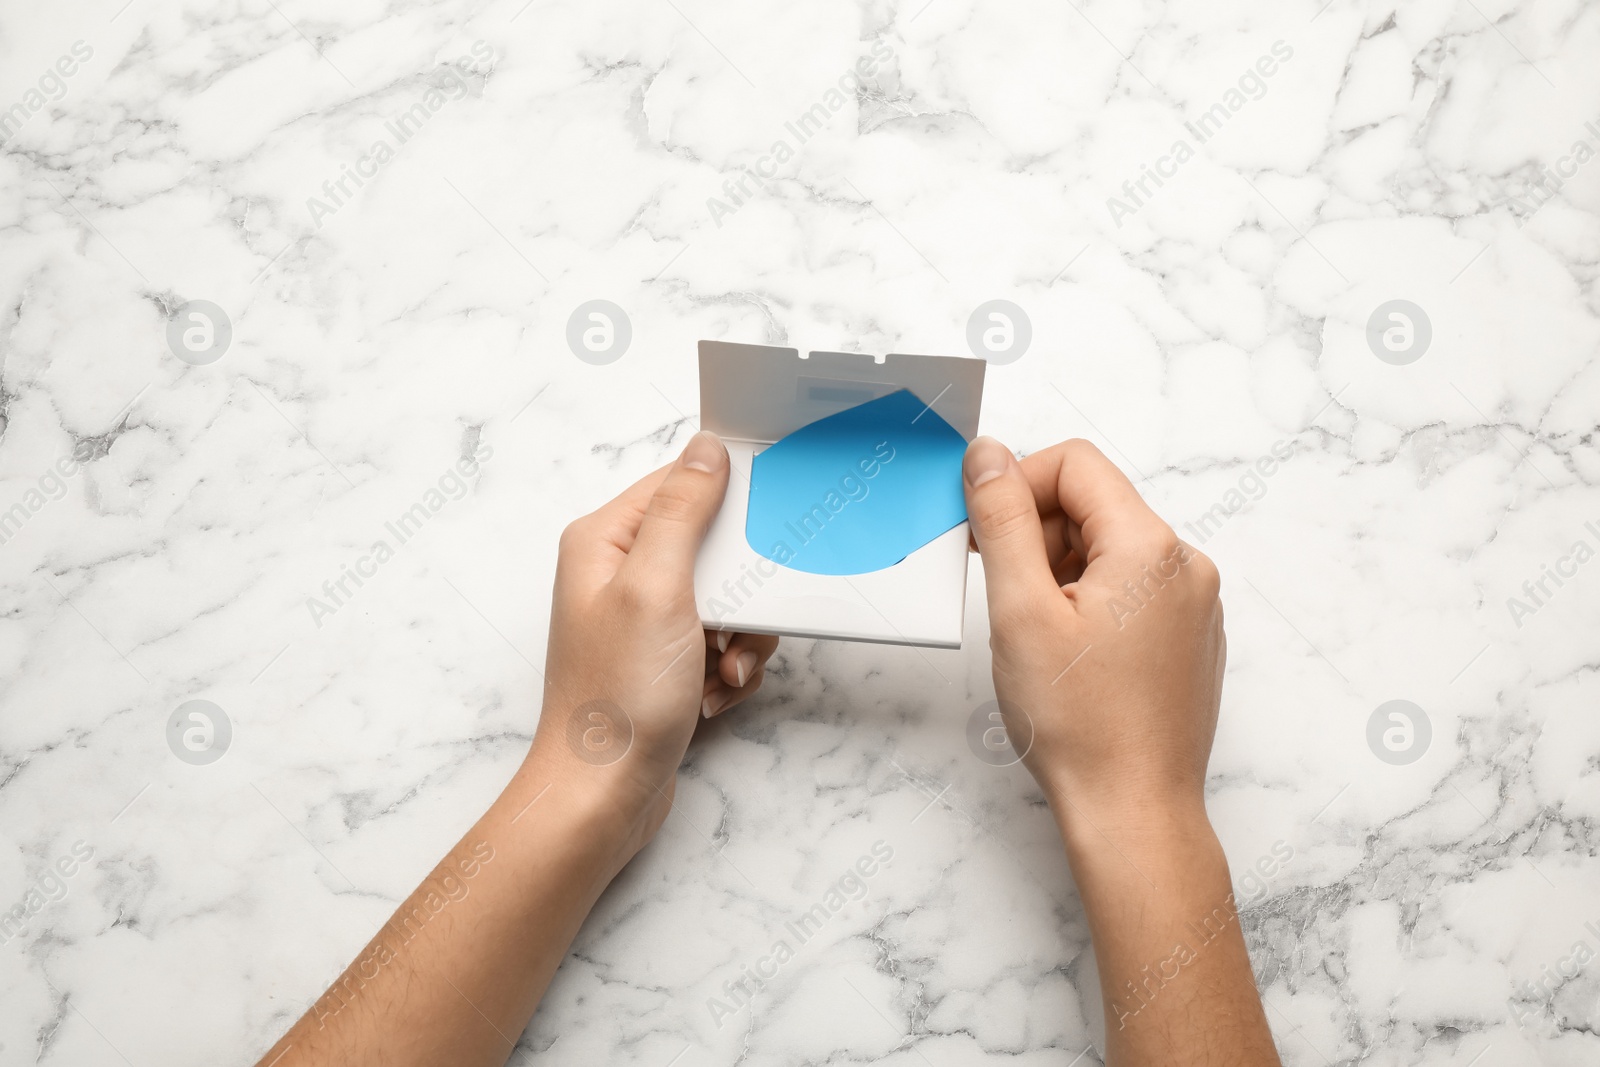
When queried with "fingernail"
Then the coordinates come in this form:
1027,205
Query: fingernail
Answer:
723,637
744,665
712,704
704,452
986,459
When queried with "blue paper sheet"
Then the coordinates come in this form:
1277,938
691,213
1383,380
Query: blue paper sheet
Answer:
857,491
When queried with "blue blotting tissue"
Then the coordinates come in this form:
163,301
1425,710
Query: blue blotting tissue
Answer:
857,491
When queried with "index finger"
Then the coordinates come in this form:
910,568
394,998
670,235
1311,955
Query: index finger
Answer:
605,536
1075,479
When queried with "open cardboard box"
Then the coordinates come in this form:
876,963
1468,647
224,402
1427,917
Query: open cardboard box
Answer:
752,396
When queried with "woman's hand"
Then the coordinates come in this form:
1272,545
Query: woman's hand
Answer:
464,961
630,670
1108,657
1107,634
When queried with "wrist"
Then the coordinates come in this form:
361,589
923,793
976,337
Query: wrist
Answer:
595,806
1139,831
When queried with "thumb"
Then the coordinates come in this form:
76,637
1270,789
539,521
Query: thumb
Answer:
680,510
1006,527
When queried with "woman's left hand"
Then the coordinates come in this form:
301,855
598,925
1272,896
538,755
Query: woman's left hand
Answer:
630,670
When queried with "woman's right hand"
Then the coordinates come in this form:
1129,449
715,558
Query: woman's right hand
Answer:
1106,632
1108,654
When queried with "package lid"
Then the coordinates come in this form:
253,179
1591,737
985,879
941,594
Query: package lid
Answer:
761,393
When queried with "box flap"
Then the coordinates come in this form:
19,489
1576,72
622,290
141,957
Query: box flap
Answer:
762,393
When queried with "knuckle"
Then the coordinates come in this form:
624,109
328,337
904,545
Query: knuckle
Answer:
1140,550
1021,613
1005,517
1166,542
1154,544
674,503
1205,573
573,537
635,595
1076,448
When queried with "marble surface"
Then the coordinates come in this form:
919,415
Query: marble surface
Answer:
1439,911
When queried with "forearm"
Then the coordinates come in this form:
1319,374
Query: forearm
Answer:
1174,973
457,971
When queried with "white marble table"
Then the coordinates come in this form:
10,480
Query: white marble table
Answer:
518,160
